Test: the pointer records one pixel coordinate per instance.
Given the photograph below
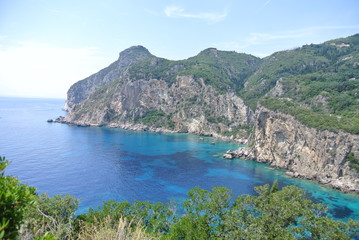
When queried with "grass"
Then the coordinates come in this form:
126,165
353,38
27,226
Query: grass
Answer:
106,230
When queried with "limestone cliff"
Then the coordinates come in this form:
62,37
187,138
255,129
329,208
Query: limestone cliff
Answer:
143,92
81,90
282,141
186,105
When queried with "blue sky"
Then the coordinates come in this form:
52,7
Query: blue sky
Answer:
46,46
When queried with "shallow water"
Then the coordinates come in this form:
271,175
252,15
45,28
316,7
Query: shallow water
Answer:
97,164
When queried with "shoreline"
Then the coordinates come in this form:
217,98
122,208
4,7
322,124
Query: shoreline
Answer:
145,128
240,153
245,154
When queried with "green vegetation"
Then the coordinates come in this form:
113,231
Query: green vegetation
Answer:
157,118
240,130
273,214
15,199
313,119
225,71
353,161
321,77
315,65
51,215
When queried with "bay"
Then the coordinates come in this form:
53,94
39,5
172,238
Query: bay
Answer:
97,164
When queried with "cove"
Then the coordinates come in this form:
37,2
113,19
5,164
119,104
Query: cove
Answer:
97,164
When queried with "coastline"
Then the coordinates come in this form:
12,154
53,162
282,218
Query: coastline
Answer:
245,153
145,128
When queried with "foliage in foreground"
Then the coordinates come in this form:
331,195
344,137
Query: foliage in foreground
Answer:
272,214
15,199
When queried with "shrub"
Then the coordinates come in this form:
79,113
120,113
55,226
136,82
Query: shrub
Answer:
15,199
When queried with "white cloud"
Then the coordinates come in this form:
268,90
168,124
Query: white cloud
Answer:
177,12
38,70
266,3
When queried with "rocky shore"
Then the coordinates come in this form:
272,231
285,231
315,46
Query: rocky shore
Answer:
145,128
346,182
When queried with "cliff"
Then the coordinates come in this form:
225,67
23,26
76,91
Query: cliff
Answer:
282,141
81,90
298,108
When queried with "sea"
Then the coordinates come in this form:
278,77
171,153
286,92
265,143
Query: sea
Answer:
96,164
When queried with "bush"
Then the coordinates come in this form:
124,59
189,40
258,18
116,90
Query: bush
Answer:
51,215
353,161
272,214
15,199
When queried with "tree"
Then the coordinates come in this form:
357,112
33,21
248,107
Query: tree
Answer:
15,199
51,216
204,212
283,214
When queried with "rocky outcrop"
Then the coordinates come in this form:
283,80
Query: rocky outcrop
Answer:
243,153
81,90
282,141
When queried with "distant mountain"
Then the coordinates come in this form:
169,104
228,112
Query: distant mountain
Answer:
297,109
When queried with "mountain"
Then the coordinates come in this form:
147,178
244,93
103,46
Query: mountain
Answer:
297,109
140,91
81,90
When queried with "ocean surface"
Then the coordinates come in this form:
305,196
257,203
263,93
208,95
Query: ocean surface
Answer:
96,164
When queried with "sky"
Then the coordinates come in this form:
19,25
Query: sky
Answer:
47,45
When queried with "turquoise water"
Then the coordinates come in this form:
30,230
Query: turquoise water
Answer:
97,164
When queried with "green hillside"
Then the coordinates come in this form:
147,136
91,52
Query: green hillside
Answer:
316,83
225,71
320,80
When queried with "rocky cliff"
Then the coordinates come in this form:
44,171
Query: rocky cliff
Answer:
143,92
282,141
81,90
186,105
299,107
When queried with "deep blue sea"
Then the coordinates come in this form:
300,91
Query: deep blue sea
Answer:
96,164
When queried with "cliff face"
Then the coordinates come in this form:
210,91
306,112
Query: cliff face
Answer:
142,92
282,141
187,105
81,90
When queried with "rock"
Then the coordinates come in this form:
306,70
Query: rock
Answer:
81,90
242,153
133,100
60,119
228,156
289,174
50,120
